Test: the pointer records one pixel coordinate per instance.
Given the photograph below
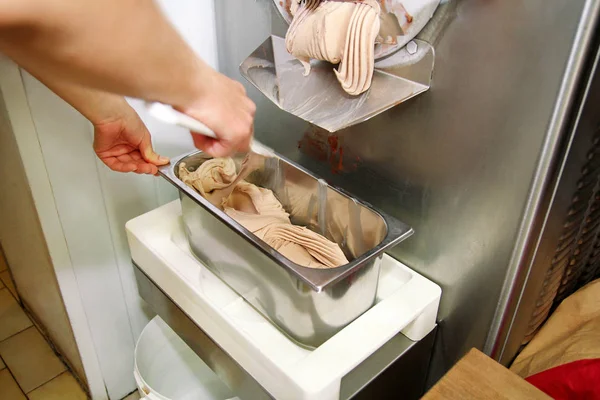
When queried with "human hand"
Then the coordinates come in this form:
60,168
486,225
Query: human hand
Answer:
223,106
123,143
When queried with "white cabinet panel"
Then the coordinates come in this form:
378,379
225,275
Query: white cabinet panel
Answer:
66,143
195,21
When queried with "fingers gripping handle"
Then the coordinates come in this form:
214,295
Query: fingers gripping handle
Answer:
169,115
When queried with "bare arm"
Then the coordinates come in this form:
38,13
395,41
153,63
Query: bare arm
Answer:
121,46
96,105
125,47
121,140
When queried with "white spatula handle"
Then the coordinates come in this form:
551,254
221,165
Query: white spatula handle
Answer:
169,115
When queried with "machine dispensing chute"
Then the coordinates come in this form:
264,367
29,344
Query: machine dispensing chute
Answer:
403,69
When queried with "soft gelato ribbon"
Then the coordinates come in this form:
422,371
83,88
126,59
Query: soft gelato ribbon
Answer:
259,211
336,31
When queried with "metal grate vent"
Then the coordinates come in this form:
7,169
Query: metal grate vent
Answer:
576,259
581,265
592,268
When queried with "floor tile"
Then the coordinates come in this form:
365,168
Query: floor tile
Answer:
8,282
63,387
2,366
133,396
12,317
30,359
2,286
9,388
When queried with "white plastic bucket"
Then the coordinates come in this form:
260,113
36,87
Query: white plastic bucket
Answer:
167,369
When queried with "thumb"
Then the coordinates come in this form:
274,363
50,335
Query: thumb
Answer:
148,153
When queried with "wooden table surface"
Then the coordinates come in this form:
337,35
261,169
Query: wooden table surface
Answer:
476,376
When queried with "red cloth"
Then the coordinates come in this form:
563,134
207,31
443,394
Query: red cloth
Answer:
572,381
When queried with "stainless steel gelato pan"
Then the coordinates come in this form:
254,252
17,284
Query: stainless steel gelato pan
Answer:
310,305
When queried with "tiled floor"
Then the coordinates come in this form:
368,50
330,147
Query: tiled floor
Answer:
29,369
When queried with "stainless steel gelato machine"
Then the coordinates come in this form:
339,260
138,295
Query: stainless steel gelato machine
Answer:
479,132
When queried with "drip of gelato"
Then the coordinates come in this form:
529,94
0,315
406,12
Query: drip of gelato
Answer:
258,210
340,32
